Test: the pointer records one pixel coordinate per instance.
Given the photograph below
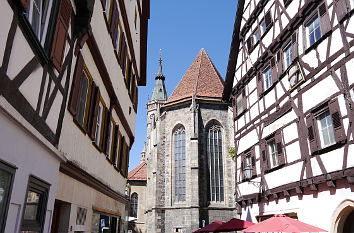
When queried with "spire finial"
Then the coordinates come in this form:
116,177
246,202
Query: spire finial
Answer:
160,74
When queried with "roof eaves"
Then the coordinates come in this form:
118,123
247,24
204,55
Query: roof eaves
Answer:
235,44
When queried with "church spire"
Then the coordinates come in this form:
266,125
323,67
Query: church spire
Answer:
159,93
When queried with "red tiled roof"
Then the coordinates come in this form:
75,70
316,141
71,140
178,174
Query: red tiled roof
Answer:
201,78
138,173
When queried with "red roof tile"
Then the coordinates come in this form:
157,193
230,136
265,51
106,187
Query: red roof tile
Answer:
201,78
138,173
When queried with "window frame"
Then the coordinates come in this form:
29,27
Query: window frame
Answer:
110,138
7,197
99,122
83,124
42,34
43,188
179,171
134,205
320,129
215,154
288,46
109,16
273,155
310,21
255,38
267,69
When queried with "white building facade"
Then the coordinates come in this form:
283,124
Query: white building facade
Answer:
290,81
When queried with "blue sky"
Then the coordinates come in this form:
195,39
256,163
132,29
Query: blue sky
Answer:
181,28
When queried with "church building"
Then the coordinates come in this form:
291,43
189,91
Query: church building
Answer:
190,175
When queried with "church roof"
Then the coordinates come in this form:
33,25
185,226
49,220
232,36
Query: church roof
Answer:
138,173
201,79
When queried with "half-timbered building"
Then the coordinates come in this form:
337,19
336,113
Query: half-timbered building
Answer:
99,122
290,81
68,100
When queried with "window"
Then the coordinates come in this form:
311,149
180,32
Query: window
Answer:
273,153
325,127
134,205
118,40
135,18
180,164
35,206
313,29
108,10
98,124
6,180
38,16
105,223
240,104
248,164
256,36
82,99
288,55
267,74
215,161
110,139
263,27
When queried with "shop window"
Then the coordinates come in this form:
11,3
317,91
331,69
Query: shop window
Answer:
35,206
105,223
6,180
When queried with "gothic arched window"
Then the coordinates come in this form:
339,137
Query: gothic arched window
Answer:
179,137
214,153
134,205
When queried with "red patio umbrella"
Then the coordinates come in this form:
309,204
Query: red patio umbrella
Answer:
282,223
210,228
234,225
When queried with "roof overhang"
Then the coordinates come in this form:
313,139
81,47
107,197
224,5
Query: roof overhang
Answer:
235,44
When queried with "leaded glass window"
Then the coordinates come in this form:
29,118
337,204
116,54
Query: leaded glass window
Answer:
134,205
215,162
180,164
